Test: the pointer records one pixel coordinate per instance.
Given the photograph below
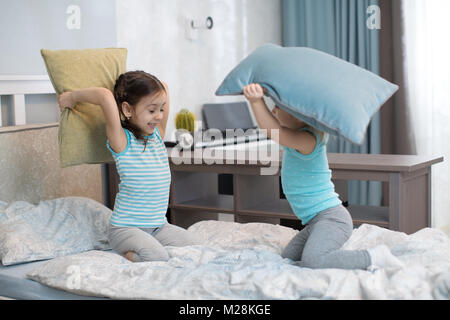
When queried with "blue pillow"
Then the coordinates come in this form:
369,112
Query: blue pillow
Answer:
322,90
52,228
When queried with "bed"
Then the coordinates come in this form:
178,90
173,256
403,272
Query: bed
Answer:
15,285
30,172
232,261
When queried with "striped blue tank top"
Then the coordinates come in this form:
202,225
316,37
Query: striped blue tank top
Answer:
144,187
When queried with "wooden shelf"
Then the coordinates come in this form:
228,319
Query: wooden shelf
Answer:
279,208
216,203
369,214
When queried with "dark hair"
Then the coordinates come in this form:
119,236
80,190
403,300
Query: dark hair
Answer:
130,87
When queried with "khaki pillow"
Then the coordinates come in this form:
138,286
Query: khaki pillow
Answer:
82,130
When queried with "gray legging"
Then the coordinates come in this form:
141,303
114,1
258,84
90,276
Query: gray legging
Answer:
148,243
318,245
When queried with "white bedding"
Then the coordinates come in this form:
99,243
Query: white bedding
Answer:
242,261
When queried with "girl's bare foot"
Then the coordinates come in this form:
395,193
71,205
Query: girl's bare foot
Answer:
129,255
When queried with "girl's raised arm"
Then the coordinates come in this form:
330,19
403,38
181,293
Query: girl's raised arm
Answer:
302,141
162,126
105,99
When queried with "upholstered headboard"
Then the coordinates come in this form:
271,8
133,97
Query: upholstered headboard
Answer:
30,170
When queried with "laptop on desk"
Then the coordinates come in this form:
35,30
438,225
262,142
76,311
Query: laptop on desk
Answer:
228,124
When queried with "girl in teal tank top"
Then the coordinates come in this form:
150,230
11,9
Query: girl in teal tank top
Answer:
306,182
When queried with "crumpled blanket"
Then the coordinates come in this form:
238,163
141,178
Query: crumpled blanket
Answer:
242,261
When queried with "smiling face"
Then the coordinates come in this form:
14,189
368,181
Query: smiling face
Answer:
286,119
147,113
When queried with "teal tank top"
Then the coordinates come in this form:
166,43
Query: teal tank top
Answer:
306,181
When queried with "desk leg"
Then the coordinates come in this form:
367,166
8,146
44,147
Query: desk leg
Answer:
428,193
410,201
395,201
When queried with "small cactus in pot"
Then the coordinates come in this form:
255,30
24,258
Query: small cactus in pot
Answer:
184,121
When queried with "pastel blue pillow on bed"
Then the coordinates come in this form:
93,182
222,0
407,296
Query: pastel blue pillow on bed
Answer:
322,90
52,228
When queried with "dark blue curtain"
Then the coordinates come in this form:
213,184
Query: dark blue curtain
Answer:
340,28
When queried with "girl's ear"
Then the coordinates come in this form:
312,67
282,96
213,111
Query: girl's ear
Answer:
126,109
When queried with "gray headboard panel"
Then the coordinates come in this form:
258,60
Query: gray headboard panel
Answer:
30,170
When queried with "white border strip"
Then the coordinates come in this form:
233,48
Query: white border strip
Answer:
18,86
12,85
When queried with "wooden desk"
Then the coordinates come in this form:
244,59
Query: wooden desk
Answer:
195,197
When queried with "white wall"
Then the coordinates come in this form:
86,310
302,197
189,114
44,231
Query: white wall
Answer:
27,26
154,32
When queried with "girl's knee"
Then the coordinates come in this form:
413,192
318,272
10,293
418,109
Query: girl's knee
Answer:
172,235
310,261
291,253
185,239
146,254
192,239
